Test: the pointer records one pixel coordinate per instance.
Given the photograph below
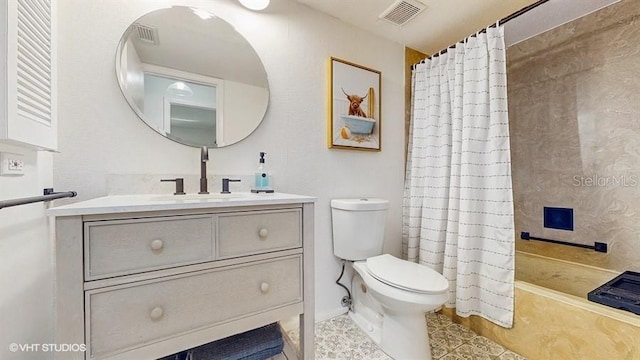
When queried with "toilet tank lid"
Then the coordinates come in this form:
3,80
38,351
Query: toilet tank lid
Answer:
360,204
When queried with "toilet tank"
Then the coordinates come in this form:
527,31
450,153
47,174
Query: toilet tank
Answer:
358,227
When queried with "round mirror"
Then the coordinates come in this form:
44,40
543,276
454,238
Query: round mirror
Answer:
192,77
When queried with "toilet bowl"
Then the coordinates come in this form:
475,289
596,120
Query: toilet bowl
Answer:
390,307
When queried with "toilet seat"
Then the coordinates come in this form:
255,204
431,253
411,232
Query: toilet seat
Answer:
406,275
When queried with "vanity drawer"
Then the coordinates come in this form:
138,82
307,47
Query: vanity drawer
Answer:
132,315
258,231
120,247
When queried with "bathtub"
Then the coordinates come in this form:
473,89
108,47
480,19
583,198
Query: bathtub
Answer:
553,318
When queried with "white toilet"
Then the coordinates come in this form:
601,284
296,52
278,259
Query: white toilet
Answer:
389,296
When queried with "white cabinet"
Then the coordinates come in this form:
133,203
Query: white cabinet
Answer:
28,102
142,281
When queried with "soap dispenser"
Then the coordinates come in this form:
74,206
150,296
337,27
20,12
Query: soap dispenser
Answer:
262,182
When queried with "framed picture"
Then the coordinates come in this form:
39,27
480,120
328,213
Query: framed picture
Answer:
354,106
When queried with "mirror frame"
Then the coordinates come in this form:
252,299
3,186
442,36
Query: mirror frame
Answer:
182,75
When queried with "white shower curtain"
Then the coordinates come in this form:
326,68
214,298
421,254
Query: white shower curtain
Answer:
458,203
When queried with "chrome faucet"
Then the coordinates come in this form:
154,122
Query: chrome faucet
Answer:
204,157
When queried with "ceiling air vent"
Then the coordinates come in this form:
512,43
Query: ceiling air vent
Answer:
401,11
148,34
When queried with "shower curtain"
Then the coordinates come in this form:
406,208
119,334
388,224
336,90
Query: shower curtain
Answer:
458,203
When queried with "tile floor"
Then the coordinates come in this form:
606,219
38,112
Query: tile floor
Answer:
339,338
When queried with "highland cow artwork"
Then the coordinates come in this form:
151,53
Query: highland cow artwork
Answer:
354,106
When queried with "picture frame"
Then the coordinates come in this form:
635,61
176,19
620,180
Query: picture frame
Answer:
355,120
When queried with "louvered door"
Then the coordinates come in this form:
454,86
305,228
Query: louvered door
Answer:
28,79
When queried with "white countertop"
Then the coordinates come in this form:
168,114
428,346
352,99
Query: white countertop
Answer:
155,202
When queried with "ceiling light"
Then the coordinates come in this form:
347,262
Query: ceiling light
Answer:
255,4
179,88
203,14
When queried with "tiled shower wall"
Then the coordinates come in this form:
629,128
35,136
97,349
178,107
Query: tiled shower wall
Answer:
574,110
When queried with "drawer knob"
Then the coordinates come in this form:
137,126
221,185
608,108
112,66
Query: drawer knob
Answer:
157,245
156,313
264,287
263,233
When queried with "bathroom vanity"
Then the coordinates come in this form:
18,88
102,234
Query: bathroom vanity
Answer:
145,276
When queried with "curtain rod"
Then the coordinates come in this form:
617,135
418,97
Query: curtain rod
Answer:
501,22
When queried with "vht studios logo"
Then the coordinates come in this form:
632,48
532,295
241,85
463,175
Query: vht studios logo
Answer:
605,181
47,347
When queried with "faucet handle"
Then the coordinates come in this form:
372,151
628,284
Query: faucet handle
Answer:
225,185
179,185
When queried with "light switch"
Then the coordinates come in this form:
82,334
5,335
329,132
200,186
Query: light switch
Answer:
11,164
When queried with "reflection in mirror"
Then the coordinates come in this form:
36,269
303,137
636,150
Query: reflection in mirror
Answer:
191,77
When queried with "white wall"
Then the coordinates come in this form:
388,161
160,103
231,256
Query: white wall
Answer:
26,259
100,135
236,112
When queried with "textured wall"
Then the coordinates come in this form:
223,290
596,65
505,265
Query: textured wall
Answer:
101,136
574,103
26,258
